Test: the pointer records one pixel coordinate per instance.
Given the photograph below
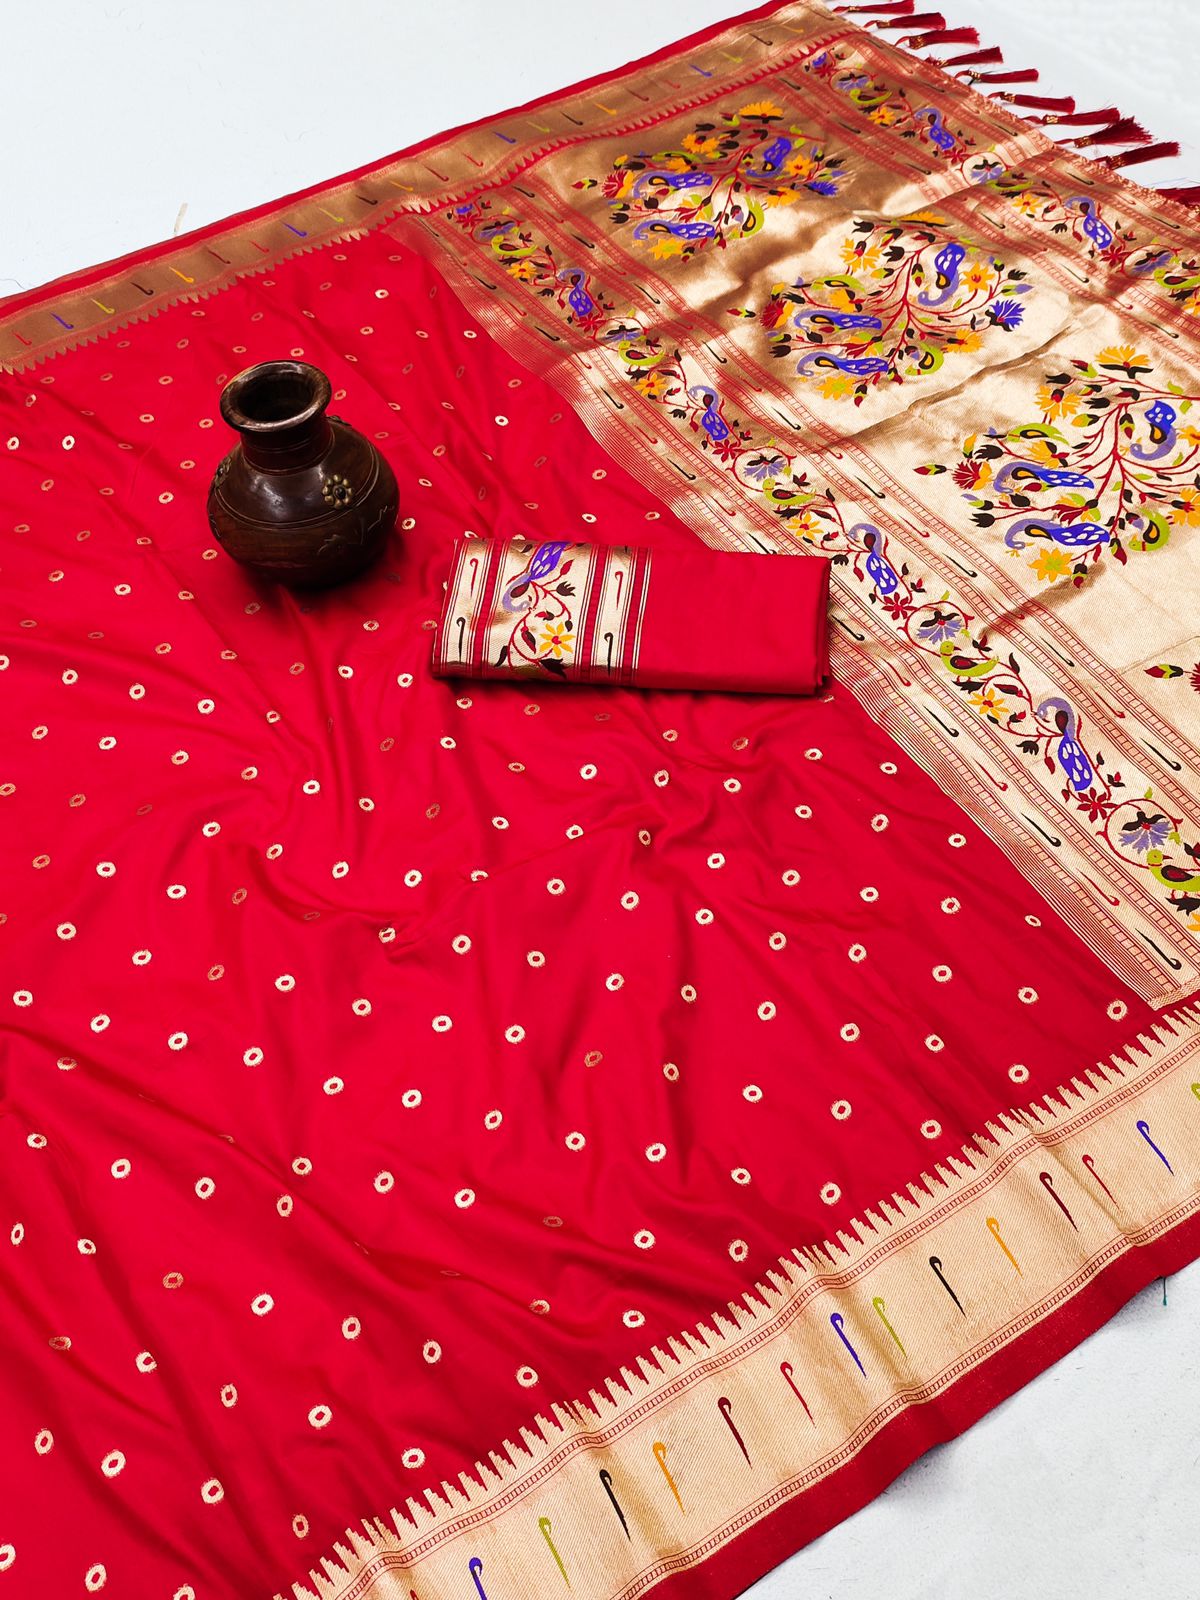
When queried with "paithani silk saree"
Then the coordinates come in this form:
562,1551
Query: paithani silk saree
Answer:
492,1139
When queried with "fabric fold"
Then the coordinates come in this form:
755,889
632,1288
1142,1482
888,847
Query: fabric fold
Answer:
568,612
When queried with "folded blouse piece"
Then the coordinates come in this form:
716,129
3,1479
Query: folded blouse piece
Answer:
587,613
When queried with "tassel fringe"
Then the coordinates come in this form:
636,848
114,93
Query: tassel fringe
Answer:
927,29
1152,152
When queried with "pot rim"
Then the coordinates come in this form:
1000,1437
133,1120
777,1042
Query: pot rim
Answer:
242,384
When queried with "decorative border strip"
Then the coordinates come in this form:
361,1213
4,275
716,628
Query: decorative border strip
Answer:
778,1393
84,306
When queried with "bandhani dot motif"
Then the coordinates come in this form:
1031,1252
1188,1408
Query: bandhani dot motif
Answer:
934,1043
732,786
644,1239
831,1194
302,1166
178,1041
212,1491
688,993
575,831
176,891
229,1395
113,1464
942,974
172,1280
950,905
8,1555
413,1458
1018,1073
441,1024
804,812
766,1010
857,952
460,944
671,1072
492,1120
43,1443
351,1328
252,1057
931,1129
22,997
144,1361
431,1351
556,886
540,1308
526,1377
633,1319
410,1099
361,1008
716,861
840,1109
957,840
1034,922
614,981
850,1031
655,1152
879,823
66,930
740,1175
515,1033
141,958
320,1417
121,1168
738,1249
95,1578
262,1304
86,1247
464,1198
300,1526
791,877
1026,995
99,1022
629,900
59,1341
285,983
333,1085
870,894
535,958
1118,1009
575,1141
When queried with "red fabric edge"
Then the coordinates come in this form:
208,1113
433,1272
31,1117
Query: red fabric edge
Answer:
82,277
749,1555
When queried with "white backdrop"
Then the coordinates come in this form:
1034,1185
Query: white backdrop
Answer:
1085,1485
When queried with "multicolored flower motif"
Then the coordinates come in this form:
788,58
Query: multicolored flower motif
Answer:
717,185
1111,465
1041,725
911,295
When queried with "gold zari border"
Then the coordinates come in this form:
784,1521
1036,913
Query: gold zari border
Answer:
648,1477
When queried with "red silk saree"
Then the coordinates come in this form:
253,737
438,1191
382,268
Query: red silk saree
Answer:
467,1141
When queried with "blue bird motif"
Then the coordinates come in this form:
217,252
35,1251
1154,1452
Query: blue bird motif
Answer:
1071,755
1094,227
1161,420
578,299
938,132
879,569
1015,474
946,264
858,366
775,155
836,319
546,559
681,230
1072,536
672,180
711,420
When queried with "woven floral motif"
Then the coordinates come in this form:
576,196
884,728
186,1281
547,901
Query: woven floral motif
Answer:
717,186
909,296
1112,464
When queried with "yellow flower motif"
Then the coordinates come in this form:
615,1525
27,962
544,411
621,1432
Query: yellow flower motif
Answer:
699,146
1192,435
988,703
556,642
1050,565
882,116
1039,450
654,384
781,197
674,164
1122,355
837,386
802,167
1064,405
855,255
1186,514
965,339
760,108
1028,203
976,276
665,246
523,270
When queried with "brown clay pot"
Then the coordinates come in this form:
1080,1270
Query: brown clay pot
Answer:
304,498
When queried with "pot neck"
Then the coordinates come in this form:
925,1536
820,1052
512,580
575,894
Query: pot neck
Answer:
289,448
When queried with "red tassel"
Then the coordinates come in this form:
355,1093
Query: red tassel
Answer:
920,41
1187,196
1109,114
1126,131
1025,75
974,58
922,19
1039,102
895,7
1152,152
